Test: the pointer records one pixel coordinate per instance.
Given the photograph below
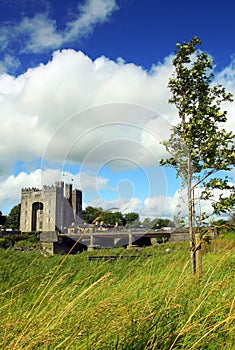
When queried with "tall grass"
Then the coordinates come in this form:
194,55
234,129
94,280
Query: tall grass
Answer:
151,302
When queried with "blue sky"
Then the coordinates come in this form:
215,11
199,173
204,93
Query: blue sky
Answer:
142,32
84,98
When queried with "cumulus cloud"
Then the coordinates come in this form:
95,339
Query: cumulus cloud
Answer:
40,33
64,109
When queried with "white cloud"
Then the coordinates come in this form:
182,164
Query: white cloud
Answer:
5,35
92,12
36,110
40,33
227,78
9,63
164,206
89,182
121,204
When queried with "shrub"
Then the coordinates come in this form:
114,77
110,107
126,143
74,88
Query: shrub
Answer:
5,243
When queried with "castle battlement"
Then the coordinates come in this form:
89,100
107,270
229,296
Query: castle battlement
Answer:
48,188
30,190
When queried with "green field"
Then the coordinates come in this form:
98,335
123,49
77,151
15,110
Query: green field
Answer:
148,302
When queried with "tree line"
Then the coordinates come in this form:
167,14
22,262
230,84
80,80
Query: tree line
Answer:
91,215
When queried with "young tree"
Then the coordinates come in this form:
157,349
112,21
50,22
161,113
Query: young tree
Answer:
199,146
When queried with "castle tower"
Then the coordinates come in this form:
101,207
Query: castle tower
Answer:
77,205
48,209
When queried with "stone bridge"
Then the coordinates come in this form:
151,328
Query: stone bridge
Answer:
53,242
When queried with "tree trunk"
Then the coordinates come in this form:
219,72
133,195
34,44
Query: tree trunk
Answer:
190,218
198,254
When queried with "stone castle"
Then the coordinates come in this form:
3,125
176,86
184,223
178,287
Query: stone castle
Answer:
52,208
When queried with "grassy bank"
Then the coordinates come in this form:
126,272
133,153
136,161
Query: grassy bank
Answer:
150,302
